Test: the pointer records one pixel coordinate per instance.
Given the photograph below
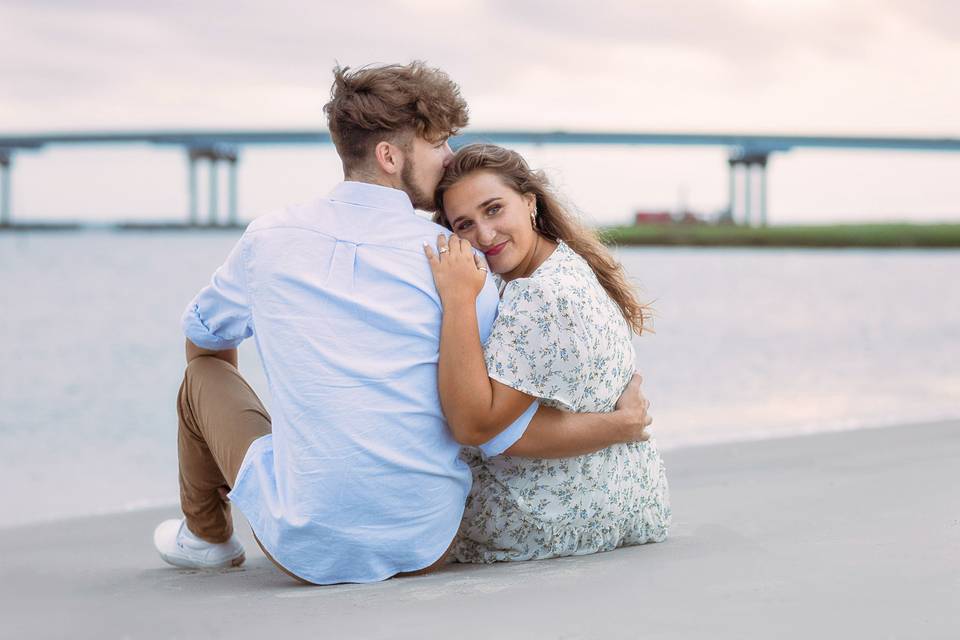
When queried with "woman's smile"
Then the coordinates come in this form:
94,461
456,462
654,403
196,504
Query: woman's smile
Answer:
495,249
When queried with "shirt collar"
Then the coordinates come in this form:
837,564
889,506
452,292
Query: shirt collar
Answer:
373,196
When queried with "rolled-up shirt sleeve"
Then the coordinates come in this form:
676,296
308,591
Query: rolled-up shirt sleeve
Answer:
219,317
509,436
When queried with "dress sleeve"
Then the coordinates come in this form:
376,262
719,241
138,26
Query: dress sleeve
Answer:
219,316
533,346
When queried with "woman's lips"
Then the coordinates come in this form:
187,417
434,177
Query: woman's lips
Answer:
495,250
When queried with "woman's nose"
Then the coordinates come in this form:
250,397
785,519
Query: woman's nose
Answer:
486,234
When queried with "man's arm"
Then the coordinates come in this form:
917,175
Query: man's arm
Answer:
560,434
227,355
219,318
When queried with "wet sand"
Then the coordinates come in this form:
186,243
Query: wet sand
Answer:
843,535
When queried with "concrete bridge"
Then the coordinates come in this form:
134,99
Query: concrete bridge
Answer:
747,159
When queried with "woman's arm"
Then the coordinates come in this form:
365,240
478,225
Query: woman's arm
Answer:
477,408
560,434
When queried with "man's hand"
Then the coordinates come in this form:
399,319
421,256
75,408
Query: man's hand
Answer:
560,434
632,407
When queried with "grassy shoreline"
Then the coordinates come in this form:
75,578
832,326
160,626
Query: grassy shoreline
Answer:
839,235
879,235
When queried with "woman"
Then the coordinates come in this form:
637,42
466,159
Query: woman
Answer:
564,337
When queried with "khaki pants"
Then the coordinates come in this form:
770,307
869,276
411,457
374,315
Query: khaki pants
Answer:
219,417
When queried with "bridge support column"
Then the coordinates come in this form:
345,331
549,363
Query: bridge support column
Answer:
747,160
232,188
747,194
192,178
214,155
763,192
732,202
214,194
6,158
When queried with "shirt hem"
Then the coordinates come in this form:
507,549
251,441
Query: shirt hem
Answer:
254,523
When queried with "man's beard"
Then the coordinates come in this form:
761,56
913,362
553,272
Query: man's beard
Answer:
419,199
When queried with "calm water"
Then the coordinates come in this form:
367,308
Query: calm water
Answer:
748,344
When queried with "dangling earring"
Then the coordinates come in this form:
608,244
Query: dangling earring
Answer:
533,218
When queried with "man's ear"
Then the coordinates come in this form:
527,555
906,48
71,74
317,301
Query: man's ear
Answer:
389,157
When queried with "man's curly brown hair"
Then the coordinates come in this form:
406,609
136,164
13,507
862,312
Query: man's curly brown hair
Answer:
371,104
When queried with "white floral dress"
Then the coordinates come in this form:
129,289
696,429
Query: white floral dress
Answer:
561,338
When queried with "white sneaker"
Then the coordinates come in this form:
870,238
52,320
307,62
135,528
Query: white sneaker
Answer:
181,548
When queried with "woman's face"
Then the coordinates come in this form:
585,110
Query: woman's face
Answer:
493,218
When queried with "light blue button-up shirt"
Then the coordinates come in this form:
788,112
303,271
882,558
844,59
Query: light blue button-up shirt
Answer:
360,478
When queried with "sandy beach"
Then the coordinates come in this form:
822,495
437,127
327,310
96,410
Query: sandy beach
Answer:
842,535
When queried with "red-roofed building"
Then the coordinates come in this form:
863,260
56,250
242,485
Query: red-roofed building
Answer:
651,217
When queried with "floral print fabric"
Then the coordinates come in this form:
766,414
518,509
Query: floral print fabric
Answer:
560,338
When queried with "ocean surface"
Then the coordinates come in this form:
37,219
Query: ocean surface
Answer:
749,343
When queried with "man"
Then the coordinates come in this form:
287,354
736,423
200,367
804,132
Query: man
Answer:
357,477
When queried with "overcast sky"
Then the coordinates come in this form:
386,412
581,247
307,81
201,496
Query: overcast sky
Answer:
815,66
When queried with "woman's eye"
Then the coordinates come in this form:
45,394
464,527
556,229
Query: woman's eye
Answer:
463,225
493,210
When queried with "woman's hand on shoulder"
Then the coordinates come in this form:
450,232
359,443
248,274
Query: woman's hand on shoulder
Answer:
457,271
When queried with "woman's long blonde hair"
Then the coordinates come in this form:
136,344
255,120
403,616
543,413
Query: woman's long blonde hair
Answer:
553,220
